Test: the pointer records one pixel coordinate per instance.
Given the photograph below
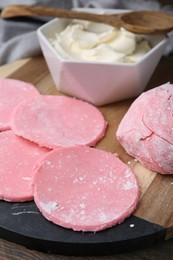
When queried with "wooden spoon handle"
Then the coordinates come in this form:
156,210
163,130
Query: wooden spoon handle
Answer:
24,10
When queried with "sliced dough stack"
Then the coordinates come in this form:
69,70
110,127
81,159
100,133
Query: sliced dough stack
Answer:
45,156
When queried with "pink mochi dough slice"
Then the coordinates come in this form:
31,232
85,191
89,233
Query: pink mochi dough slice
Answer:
146,130
12,92
18,158
85,189
58,121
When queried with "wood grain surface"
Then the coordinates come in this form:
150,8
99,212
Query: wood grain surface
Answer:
157,191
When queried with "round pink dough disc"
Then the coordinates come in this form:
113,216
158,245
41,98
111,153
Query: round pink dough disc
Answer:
17,159
58,121
85,189
12,92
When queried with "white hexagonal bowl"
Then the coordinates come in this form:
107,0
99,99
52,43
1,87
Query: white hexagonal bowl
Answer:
97,82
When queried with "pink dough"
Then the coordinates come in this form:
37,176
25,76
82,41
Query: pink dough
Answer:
146,131
12,92
85,188
17,161
56,121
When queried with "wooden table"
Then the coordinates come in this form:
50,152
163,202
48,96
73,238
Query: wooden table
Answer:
39,75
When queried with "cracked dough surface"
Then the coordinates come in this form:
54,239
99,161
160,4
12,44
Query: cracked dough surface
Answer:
146,131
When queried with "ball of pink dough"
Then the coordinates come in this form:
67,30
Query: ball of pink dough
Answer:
146,131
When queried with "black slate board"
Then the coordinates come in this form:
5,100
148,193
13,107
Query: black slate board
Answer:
22,223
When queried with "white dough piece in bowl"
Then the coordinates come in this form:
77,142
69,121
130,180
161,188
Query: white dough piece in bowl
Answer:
146,131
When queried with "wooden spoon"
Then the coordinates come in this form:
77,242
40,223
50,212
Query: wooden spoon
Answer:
143,22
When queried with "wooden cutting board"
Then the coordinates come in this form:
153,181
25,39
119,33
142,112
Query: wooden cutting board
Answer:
151,222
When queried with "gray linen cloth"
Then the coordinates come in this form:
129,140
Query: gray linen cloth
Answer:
18,38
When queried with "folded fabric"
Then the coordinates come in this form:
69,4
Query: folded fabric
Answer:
18,38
